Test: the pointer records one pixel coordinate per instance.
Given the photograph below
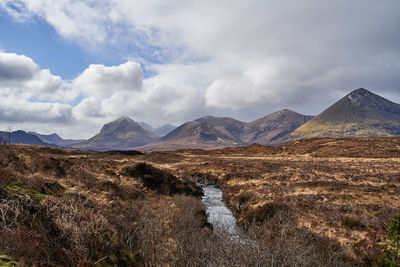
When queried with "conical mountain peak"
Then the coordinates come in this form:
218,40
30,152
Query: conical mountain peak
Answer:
359,113
364,97
122,133
361,91
123,118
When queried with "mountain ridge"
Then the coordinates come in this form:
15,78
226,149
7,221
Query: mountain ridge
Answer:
122,133
55,139
22,137
214,132
360,113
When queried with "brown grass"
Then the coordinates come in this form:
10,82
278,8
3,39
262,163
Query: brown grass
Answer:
316,202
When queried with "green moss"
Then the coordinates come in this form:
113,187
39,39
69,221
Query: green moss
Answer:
22,191
7,261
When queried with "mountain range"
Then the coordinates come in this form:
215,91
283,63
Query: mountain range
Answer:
32,138
211,132
22,137
360,113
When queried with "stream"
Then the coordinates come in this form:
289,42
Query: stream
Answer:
218,214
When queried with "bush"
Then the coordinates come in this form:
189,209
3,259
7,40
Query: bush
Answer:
161,181
391,248
263,213
50,165
353,222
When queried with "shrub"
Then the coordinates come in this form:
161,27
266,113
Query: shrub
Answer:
45,186
161,181
50,165
391,248
353,222
263,213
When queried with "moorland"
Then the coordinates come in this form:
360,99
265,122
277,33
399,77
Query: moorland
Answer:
326,202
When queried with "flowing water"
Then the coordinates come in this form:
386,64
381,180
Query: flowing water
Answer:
218,213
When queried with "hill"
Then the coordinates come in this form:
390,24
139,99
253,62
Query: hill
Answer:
230,127
123,133
55,139
212,132
360,113
22,137
274,126
195,134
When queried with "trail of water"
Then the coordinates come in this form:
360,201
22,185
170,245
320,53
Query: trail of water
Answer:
218,214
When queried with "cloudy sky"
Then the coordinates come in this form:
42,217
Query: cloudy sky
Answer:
69,66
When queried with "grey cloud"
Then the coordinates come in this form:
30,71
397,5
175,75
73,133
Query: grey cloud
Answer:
14,74
16,68
302,55
28,112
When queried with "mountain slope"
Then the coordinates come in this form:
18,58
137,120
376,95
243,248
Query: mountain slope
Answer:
269,128
194,134
230,127
165,129
146,126
22,137
214,132
55,139
360,113
123,133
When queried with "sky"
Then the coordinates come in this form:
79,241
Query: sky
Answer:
70,66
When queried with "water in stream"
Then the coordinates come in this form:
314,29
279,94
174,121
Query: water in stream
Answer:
218,214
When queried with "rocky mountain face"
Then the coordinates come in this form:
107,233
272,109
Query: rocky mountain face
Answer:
360,113
123,133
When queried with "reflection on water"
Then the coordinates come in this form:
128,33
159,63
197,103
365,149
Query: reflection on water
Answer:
218,213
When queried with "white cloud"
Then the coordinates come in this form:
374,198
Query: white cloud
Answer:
233,91
100,80
14,109
224,57
25,77
84,20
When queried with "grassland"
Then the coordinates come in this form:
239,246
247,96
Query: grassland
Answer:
324,202
344,190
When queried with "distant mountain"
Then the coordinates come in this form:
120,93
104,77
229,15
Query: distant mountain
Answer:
123,133
55,139
231,127
213,132
360,113
146,126
165,129
274,126
194,134
22,137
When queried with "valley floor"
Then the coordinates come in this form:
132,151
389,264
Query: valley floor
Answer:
315,202
344,190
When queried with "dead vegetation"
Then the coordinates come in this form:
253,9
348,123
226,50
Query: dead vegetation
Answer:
300,204
342,190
